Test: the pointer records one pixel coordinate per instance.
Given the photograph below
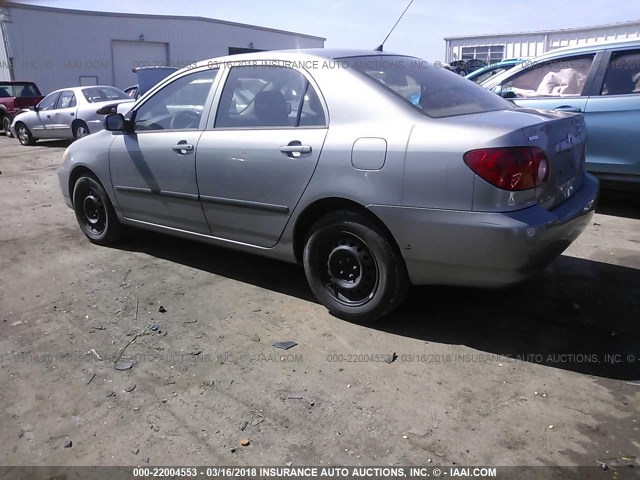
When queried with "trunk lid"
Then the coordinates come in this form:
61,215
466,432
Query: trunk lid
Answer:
564,142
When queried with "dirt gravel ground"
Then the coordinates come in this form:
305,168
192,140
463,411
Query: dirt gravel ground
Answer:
534,375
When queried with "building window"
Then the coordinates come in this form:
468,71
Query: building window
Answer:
489,54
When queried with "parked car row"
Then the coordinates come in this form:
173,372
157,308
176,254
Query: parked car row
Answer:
67,113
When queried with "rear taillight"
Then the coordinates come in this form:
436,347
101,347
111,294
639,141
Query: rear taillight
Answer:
510,168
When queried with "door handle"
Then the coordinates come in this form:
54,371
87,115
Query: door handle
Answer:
295,148
182,147
568,108
71,114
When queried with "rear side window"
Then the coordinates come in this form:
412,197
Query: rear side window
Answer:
268,96
435,91
103,94
565,77
67,100
623,74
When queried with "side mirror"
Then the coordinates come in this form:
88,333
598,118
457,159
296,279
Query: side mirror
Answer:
108,109
115,122
34,108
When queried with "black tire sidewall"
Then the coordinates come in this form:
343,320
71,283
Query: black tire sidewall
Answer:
30,139
6,126
392,279
78,125
112,227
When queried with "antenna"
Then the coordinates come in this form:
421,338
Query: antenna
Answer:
379,47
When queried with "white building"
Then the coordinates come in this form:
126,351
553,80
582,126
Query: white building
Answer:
59,48
493,48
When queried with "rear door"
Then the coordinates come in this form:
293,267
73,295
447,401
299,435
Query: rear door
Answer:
613,115
255,161
64,114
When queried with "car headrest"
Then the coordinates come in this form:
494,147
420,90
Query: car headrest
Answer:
271,108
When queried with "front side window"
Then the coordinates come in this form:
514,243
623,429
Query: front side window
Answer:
268,96
435,91
103,94
565,77
623,74
177,106
483,77
49,102
67,99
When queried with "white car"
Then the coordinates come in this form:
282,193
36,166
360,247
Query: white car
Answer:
67,113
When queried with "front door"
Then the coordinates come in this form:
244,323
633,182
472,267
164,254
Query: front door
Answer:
153,168
42,126
255,163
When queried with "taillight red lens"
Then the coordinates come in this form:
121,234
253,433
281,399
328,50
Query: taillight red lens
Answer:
510,168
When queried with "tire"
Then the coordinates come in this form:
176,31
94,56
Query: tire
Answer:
94,211
379,280
24,135
6,126
80,130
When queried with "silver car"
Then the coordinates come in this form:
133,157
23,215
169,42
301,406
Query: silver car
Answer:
67,113
373,170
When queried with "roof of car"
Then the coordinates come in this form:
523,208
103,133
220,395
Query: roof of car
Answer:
559,52
83,87
591,47
309,53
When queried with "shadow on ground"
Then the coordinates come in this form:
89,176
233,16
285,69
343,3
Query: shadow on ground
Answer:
581,315
53,143
619,204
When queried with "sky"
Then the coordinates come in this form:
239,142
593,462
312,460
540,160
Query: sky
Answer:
365,23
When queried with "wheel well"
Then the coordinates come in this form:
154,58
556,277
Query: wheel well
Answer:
318,209
75,123
73,178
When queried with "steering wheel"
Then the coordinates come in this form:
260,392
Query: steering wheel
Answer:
185,119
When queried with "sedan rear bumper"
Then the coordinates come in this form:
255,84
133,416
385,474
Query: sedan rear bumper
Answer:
486,249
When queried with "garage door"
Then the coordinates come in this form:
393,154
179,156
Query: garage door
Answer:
127,55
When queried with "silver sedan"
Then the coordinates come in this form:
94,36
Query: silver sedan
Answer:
67,113
374,171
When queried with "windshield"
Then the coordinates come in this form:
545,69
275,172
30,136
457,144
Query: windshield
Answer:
103,94
435,91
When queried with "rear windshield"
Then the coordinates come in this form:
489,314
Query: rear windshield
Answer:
103,94
436,92
19,90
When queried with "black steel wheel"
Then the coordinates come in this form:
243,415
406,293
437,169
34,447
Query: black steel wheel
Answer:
353,268
94,211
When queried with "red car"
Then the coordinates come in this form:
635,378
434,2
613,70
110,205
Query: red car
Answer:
14,98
